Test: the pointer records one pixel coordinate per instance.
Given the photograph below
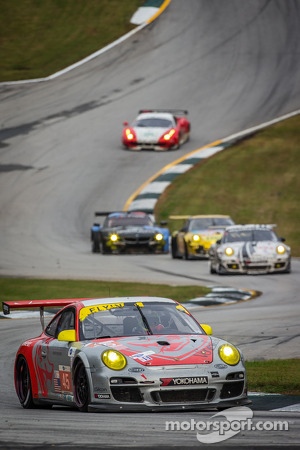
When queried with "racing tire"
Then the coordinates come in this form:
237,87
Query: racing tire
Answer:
95,246
186,255
23,384
81,388
174,249
212,270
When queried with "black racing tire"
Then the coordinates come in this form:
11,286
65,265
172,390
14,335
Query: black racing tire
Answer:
81,388
23,383
95,245
211,268
174,248
186,255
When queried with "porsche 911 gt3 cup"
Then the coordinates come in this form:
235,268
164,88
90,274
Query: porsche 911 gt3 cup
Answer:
250,249
126,354
157,130
195,237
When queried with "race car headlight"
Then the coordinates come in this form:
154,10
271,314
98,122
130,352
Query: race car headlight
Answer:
114,237
158,237
229,354
168,135
129,134
114,360
280,249
229,251
196,238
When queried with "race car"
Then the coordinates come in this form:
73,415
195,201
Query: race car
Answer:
250,249
126,354
129,232
196,236
157,129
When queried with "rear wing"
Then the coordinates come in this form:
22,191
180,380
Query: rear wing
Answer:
179,217
178,112
42,304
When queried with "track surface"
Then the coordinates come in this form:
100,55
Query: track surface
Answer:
233,65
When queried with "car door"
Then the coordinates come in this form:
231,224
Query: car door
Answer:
181,239
58,354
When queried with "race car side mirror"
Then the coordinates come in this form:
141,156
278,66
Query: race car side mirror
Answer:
67,336
207,328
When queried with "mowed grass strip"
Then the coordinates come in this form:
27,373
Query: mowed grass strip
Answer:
38,38
274,376
254,181
30,289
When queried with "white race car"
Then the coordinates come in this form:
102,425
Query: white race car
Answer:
160,130
249,249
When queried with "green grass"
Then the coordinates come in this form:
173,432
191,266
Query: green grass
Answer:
274,376
40,37
26,289
255,181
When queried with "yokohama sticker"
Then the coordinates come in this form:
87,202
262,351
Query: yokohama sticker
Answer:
183,381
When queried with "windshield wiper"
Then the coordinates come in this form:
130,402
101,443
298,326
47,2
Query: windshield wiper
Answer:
145,322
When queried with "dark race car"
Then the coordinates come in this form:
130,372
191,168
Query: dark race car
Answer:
157,129
129,232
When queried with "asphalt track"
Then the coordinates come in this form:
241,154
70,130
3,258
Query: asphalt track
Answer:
233,65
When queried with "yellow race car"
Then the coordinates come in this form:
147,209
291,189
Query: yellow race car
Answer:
198,233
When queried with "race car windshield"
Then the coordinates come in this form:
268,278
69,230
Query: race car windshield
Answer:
249,236
206,222
125,221
153,122
139,319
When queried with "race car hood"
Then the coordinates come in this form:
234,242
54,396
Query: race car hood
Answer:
253,249
158,350
149,134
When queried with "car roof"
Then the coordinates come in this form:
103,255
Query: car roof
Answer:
115,300
158,115
207,216
250,226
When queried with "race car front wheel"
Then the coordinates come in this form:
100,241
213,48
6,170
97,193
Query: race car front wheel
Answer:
23,383
81,388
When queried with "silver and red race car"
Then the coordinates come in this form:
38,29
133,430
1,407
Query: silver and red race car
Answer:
157,129
126,354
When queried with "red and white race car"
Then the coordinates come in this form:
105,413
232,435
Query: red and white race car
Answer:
157,129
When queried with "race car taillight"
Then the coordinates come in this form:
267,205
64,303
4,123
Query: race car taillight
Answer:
129,134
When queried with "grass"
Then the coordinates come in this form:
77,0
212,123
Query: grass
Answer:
27,289
38,38
254,181
274,376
